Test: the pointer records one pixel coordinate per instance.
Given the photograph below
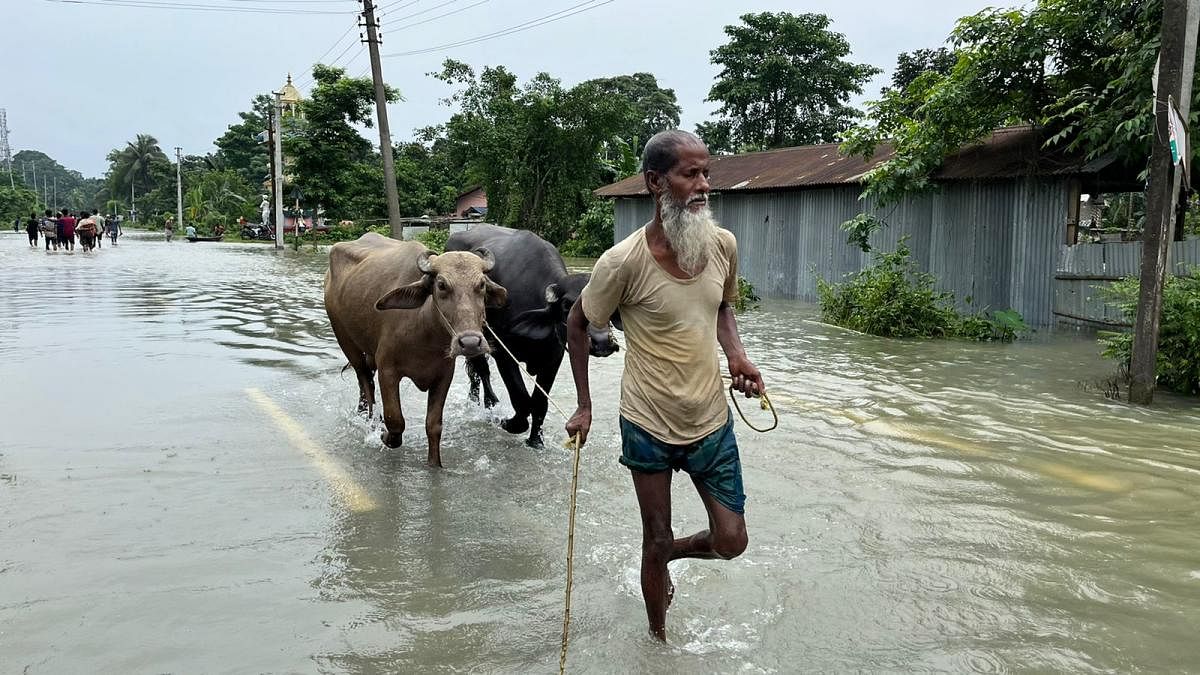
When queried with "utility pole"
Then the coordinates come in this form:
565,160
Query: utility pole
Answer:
34,163
132,201
277,167
1176,65
56,193
5,150
385,134
179,186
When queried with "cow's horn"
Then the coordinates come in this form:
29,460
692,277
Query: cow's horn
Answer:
489,260
424,262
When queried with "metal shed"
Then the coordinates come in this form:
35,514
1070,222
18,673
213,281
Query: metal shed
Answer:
991,233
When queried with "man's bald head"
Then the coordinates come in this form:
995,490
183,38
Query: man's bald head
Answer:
662,150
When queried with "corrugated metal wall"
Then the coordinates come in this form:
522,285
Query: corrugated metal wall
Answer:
1084,269
991,242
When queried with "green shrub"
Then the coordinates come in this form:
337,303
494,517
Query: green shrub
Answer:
893,298
434,239
594,233
747,299
1177,365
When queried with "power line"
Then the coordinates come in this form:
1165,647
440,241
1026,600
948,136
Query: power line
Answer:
518,28
307,79
427,10
442,16
150,4
390,5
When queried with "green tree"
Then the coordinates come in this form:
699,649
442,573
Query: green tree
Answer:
140,164
538,150
16,201
1082,69
656,108
240,149
332,161
784,81
74,191
911,65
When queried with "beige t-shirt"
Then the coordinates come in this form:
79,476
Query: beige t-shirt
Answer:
672,381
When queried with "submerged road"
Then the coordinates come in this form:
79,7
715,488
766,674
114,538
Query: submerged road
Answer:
185,488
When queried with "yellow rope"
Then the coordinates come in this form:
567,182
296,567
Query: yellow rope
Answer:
574,441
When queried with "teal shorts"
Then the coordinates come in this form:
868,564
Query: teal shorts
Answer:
712,461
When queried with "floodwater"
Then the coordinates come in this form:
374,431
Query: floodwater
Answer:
186,488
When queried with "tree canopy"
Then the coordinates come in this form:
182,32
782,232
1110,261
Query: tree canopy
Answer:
784,81
538,149
1080,68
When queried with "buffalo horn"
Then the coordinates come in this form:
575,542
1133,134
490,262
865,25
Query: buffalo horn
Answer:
424,263
489,260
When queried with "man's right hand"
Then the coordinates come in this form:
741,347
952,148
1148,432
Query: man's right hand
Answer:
580,423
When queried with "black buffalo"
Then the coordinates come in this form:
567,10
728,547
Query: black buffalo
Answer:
532,324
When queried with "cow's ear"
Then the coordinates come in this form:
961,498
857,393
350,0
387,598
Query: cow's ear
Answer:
553,293
536,324
406,297
494,295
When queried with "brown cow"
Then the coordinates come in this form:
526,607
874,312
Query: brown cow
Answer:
398,309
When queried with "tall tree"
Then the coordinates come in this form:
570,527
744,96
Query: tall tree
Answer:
240,149
784,81
134,164
911,65
331,160
1080,68
656,108
538,149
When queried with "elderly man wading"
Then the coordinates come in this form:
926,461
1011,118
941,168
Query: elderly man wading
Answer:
674,282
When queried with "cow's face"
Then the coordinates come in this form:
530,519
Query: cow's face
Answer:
550,322
459,288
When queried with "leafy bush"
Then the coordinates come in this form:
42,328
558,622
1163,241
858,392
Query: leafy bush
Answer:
893,298
594,233
434,239
1178,362
747,299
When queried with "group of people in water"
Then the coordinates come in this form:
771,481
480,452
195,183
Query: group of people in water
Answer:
61,229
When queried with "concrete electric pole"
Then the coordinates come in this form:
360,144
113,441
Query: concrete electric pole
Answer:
5,149
385,134
1176,66
179,186
277,167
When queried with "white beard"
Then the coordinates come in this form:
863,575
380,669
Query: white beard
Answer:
690,233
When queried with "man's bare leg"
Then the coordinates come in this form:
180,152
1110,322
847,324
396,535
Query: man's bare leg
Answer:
654,499
725,537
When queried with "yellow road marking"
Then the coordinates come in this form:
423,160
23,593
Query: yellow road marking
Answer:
350,492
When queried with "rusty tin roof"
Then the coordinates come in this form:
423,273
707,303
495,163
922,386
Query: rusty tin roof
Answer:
1008,153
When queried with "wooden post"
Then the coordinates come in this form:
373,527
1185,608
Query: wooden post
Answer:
1174,84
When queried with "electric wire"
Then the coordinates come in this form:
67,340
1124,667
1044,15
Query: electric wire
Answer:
518,28
440,16
148,4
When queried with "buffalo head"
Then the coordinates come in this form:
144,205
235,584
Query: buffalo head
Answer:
551,320
459,290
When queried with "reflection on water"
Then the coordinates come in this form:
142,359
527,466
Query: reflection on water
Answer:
923,505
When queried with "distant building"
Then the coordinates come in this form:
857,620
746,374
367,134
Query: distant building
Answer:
999,231
471,204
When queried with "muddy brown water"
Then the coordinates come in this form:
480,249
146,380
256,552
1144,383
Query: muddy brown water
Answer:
923,505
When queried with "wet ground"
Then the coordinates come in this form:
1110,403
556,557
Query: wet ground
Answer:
185,488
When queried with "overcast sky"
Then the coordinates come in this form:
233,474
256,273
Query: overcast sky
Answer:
81,79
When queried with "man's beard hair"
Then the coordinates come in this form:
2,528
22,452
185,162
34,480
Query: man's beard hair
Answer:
690,233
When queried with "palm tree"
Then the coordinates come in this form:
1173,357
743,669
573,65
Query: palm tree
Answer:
131,165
